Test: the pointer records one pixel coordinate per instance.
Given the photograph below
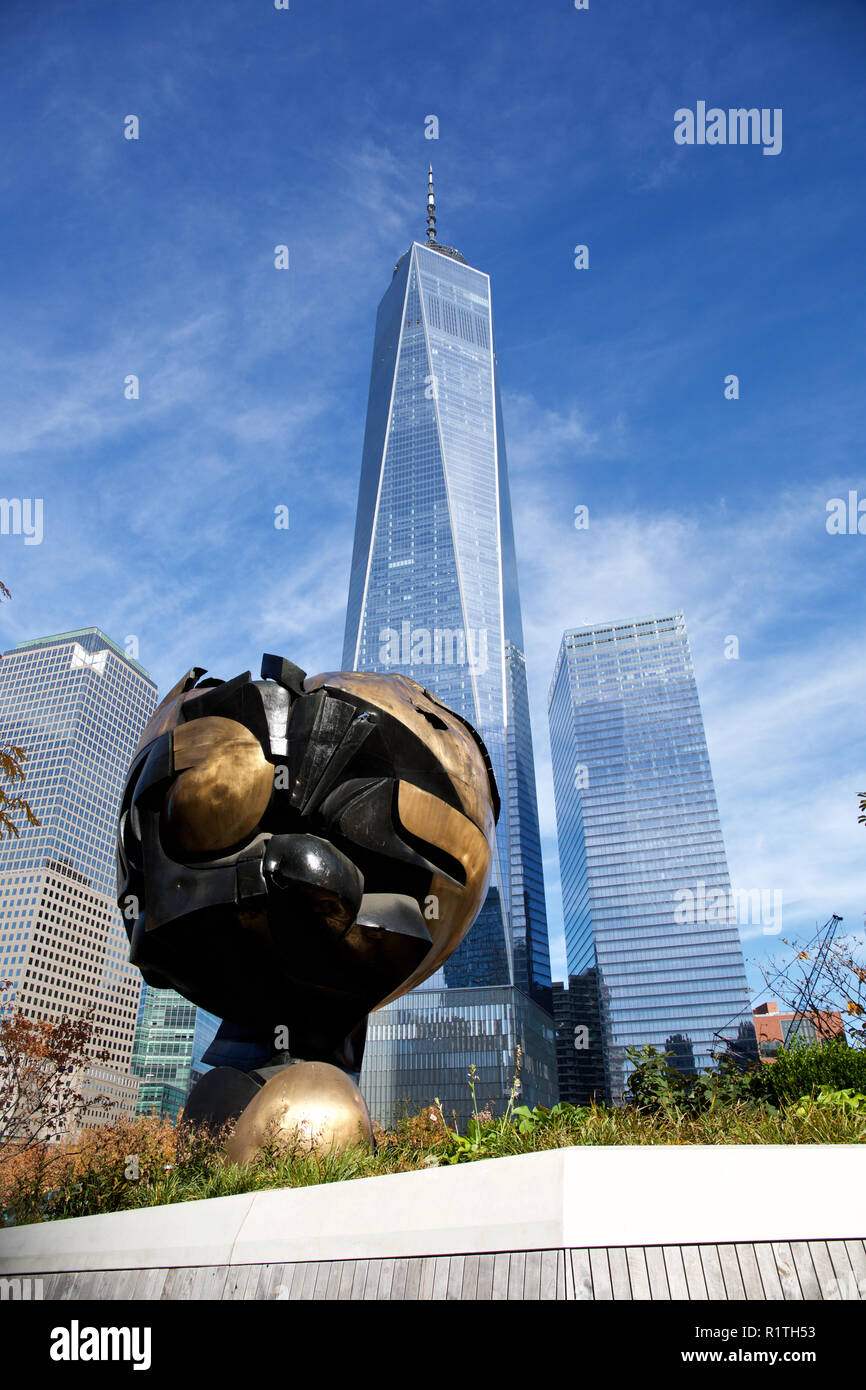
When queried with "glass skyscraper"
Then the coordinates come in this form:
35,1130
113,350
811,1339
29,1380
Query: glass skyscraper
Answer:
433,595
77,704
171,1037
640,840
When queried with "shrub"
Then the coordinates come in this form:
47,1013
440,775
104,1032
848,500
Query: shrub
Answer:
803,1068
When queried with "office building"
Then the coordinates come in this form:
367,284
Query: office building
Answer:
641,849
578,1060
77,704
171,1037
434,596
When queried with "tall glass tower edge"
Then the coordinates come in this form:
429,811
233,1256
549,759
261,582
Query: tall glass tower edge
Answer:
434,595
641,850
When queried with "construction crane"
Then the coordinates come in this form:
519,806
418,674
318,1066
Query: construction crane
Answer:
805,1005
816,951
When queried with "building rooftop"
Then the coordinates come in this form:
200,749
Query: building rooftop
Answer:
74,635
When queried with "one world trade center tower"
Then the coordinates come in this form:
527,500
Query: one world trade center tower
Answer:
433,595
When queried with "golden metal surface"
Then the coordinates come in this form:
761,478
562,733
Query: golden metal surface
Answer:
454,745
430,819
224,786
309,1107
165,715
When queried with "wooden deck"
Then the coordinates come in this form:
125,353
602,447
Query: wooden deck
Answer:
780,1271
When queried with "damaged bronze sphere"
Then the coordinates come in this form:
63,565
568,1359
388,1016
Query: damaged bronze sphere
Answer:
293,853
310,1106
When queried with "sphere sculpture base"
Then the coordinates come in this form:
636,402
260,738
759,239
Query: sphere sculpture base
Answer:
309,1107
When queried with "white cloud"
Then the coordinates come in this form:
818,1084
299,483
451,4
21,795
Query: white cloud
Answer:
784,722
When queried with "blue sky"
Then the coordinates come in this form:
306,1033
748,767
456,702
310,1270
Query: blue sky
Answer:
307,127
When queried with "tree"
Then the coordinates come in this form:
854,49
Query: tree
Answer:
11,771
41,1066
822,978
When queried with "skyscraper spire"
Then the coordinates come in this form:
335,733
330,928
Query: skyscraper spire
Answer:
431,208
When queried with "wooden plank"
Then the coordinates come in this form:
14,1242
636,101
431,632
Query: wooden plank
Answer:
516,1273
151,1285
656,1272
564,1278
857,1255
331,1290
532,1275
117,1285
104,1284
618,1262
261,1284
347,1274
469,1289
846,1279
64,1286
251,1283
398,1281
551,1264
730,1267
428,1274
278,1286
359,1280
484,1286
386,1279
602,1283
413,1279
712,1268
675,1270
120,1284
750,1274
501,1266
219,1279
371,1288
806,1276
209,1282
287,1282
787,1270
454,1286
236,1279
579,1269
693,1266
305,1292
178,1284
97,1283
440,1277
765,1258
275,1283
198,1280
320,1289
825,1274
637,1273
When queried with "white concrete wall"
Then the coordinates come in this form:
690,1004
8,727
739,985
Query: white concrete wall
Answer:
577,1197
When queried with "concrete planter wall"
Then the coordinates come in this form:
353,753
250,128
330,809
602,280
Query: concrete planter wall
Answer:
564,1200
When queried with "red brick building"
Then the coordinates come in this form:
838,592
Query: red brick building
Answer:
775,1029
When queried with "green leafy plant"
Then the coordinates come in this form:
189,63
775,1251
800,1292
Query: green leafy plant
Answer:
541,1118
485,1136
847,1100
653,1084
804,1068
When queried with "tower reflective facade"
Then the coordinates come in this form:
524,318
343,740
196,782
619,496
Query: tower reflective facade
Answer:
433,595
171,1038
77,704
640,847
